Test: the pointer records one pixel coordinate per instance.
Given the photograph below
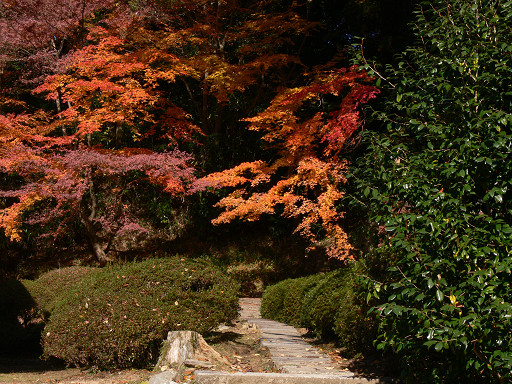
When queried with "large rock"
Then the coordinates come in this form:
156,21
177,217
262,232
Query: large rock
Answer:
166,377
183,347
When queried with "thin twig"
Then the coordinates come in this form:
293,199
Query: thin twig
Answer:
373,68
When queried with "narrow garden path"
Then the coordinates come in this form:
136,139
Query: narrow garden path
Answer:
290,353
297,361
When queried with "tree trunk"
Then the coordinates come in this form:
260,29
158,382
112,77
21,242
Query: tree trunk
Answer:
189,348
58,103
87,215
95,243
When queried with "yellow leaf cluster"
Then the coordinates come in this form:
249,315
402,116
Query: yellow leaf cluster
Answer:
11,217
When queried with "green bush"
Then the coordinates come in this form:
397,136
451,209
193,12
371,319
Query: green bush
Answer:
283,301
26,304
273,299
355,325
117,317
252,276
438,180
337,307
333,305
321,303
47,288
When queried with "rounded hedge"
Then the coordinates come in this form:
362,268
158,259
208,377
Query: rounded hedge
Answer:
283,301
356,325
355,328
117,316
333,305
25,305
17,332
47,288
322,302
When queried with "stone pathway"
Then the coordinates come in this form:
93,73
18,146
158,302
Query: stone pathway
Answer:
290,353
297,361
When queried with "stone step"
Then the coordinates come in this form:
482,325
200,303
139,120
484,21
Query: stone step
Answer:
211,377
298,361
290,353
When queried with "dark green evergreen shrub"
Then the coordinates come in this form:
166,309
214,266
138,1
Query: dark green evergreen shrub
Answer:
337,307
25,305
438,180
117,316
355,325
252,276
333,305
283,301
273,299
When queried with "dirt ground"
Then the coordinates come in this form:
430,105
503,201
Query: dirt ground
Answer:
20,371
238,343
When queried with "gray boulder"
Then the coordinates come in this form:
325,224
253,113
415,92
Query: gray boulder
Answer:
165,377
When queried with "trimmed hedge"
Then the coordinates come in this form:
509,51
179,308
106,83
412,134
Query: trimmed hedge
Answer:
17,333
116,317
283,301
25,305
47,288
355,325
321,303
332,305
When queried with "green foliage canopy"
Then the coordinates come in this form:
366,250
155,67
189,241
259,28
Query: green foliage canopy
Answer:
440,183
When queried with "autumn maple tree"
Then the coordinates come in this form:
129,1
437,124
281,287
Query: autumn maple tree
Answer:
305,180
74,160
68,186
240,53
38,33
233,58
131,83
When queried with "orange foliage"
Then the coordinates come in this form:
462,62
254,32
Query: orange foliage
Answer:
11,217
306,181
123,78
230,46
105,86
23,126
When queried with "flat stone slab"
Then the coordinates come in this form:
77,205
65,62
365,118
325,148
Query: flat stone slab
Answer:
250,308
292,353
210,377
293,360
289,352
298,361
